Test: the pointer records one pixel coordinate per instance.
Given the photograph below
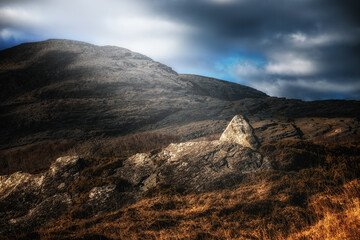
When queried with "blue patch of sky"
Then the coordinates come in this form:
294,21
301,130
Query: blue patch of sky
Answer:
9,38
226,66
7,43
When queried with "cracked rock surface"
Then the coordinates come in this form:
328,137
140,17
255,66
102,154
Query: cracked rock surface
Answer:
196,166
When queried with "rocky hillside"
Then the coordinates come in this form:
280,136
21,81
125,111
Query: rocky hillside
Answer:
65,89
63,97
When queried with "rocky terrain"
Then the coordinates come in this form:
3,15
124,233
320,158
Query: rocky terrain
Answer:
104,143
189,166
75,189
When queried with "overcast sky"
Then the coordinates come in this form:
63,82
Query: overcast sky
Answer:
308,49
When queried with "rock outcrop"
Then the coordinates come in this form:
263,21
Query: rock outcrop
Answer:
26,199
194,166
199,166
241,132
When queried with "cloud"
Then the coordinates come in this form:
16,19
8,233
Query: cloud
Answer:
15,16
162,36
301,41
123,23
247,70
309,89
223,1
291,64
297,37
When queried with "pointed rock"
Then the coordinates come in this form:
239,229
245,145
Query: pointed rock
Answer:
241,132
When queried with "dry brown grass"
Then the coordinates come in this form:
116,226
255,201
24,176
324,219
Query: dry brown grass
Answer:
338,211
319,201
34,158
174,216
348,140
245,212
38,157
211,137
125,145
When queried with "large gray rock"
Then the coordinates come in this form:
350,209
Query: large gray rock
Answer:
195,166
241,132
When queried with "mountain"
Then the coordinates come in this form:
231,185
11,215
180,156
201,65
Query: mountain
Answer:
80,90
118,146
59,94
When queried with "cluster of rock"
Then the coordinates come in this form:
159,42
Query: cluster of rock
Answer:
29,200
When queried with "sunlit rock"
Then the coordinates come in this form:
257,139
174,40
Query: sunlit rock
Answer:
241,132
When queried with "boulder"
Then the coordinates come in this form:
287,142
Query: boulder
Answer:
241,132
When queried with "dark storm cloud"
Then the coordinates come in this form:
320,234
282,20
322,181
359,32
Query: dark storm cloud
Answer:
244,19
308,42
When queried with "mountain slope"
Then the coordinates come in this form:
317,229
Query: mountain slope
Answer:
76,87
61,95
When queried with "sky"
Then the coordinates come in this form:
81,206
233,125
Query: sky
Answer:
304,49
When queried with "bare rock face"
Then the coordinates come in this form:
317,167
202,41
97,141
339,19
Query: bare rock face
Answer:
241,132
204,166
194,166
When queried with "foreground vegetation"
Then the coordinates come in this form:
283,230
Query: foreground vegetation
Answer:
314,193
246,212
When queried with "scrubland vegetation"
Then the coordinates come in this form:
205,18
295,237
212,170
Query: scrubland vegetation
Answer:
313,193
